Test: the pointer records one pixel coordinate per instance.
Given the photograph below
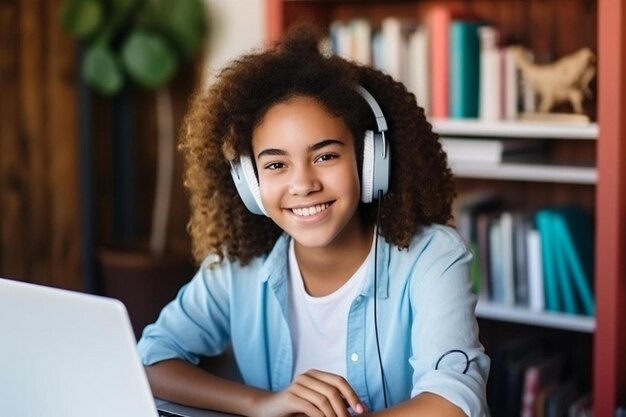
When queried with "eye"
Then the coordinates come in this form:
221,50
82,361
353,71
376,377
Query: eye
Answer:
326,157
272,166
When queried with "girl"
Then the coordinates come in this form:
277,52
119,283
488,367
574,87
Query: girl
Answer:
345,293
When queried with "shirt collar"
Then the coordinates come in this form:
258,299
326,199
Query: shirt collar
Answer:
275,266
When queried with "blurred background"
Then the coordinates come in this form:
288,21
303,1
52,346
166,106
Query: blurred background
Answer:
82,118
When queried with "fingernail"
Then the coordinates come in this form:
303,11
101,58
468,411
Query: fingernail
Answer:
360,409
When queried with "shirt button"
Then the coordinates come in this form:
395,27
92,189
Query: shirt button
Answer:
354,357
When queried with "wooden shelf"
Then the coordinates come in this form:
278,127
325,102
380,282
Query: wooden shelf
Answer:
493,311
514,129
527,172
605,31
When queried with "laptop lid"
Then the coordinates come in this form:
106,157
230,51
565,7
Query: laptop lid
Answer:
69,354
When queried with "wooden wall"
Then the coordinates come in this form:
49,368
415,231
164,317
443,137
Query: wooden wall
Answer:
39,232
40,210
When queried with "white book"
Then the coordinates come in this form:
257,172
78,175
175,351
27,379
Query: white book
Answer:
361,34
489,151
391,30
341,39
418,64
378,51
536,300
490,74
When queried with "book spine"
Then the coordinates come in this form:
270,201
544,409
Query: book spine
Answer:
439,22
464,69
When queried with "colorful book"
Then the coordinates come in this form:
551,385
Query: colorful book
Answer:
464,68
438,25
575,232
544,221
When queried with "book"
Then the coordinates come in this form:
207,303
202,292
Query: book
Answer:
535,271
539,375
491,151
507,258
544,222
361,35
418,71
502,355
490,74
575,233
466,209
438,26
559,400
510,85
464,68
393,41
521,225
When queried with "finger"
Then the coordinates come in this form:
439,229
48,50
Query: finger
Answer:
342,385
305,389
323,392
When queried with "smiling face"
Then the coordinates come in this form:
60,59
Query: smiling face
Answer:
308,175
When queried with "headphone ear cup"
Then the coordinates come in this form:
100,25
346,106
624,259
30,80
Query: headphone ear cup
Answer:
247,185
376,166
367,177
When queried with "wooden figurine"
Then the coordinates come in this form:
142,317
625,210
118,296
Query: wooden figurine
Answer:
566,79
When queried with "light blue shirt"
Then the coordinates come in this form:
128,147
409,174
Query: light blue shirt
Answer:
425,309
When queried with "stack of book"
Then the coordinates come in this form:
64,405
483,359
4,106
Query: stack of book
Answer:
530,379
456,66
462,151
541,260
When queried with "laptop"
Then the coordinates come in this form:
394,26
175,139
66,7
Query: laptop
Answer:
70,354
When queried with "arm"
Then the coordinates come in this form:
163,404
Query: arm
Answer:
425,404
314,393
184,383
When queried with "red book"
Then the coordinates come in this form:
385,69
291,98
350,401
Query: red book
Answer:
439,22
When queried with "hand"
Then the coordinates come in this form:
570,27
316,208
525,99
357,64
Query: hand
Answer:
313,394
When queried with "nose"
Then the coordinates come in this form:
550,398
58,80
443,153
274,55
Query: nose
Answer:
304,181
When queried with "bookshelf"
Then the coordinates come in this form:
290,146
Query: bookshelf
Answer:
563,26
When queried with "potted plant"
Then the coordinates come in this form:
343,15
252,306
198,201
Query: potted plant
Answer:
144,43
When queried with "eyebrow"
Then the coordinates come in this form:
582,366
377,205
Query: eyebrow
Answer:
312,148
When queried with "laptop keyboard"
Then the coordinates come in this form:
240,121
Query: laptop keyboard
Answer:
163,413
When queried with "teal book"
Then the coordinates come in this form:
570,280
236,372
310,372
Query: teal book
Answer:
464,68
563,276
544,221
575,231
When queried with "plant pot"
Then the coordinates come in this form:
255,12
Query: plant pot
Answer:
143,282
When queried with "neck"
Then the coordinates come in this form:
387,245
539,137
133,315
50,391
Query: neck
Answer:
324,270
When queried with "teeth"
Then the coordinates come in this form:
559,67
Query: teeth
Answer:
309,211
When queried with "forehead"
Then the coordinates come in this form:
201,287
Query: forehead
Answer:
302,118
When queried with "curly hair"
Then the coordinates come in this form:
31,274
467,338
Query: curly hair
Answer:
220,122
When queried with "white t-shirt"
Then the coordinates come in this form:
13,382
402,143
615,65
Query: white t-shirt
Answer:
318,325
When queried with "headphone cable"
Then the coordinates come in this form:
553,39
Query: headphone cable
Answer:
380,361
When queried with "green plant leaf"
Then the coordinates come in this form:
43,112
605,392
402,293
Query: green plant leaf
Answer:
101,70
148,59
81,18
185,24
181,21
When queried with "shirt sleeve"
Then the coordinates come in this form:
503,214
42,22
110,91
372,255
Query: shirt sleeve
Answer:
445,330
194,324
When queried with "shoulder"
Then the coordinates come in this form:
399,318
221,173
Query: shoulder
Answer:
259,268
435,247
433,239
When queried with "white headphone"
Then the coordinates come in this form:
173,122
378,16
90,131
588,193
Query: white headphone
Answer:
376,164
